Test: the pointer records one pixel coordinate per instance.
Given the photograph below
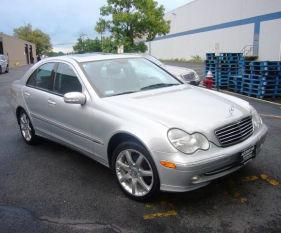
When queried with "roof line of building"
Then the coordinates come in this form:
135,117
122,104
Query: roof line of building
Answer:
171,11
6,35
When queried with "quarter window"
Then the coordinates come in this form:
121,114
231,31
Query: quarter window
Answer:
42,77
66,80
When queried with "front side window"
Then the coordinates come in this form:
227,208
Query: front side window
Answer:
121,76
66,80
43,77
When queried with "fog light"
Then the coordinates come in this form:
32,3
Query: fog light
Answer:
168,164
195,178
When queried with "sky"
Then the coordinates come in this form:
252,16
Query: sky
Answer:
63,20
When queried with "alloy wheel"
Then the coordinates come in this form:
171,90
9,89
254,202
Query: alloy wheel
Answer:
25,127
134,172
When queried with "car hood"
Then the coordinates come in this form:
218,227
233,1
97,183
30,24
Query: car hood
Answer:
190,108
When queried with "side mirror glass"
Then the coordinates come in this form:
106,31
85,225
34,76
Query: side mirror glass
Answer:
74,98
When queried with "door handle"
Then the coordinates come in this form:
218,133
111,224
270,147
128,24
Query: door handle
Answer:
26,93
51,102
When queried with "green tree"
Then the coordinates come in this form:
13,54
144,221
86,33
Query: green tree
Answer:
130,21
39,38
84,45
54,54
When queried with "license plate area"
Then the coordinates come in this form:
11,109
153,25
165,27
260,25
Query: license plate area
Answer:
247,154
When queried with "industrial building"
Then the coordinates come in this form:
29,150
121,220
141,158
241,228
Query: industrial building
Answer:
19,52
201,26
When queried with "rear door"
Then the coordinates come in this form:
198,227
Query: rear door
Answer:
38,94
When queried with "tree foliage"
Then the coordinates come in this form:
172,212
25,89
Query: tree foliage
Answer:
129,21
84,45
36,36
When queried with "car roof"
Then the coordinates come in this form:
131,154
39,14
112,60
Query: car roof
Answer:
87,57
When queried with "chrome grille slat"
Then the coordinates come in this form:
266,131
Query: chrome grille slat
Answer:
236,132
229,129
237,123
237,136
233,133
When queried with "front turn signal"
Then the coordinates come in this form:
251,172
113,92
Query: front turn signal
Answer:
168,164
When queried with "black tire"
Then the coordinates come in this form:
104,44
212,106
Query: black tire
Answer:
33,138
7,69
130,145
1,72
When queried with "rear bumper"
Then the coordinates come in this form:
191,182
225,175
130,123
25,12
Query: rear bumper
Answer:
198,172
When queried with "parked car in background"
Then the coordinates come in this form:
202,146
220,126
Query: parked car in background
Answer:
153,130
185,74
4,64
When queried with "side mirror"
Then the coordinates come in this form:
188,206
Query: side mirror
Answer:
74,98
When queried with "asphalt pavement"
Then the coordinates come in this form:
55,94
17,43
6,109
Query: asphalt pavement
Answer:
50,188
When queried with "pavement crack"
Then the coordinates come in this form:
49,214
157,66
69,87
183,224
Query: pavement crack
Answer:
59,221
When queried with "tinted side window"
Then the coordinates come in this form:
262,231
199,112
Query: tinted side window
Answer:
66,80
43,77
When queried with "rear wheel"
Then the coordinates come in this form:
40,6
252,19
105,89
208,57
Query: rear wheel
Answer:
7,69
1,71
135,171
26,128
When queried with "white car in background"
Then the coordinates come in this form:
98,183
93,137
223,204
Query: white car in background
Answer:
184,74
4,64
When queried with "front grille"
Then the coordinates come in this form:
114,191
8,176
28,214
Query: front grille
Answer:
235,132
189,76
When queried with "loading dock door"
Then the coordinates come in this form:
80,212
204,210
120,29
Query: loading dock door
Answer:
1,48
31,58
26,53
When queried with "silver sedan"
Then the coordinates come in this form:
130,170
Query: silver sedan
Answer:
154,132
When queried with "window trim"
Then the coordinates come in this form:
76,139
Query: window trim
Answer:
55,76
35,71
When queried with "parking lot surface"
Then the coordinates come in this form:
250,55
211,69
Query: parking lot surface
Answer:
50,188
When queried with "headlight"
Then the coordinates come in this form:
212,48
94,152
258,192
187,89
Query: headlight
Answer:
257,121
187,143
197,77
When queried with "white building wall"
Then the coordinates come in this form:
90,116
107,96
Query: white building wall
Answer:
229,40
205,13
270,40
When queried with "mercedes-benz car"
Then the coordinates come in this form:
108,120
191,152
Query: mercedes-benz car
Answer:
4,64
154,131
186,75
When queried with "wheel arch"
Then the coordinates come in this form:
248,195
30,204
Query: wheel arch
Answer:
118,138
18,111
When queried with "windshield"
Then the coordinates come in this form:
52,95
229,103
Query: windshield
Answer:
123,76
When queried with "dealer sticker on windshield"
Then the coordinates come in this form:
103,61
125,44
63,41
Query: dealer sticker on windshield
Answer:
247,154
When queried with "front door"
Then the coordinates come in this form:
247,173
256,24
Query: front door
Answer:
72,123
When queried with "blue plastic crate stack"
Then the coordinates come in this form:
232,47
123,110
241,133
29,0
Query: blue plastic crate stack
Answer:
211,64
223,67
261,79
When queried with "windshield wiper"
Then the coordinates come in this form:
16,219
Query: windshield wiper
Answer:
123,93
158,85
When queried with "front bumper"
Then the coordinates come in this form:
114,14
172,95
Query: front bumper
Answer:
195,171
